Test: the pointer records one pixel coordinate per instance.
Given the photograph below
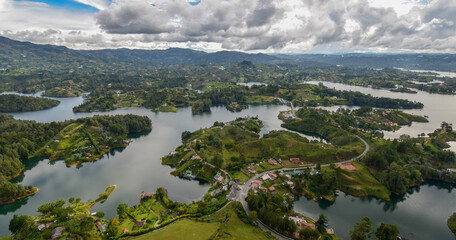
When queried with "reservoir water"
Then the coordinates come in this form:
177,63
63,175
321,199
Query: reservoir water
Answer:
419,215
134,169
437,107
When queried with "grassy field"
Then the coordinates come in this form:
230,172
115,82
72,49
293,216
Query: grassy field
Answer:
224,224
361,183
452,223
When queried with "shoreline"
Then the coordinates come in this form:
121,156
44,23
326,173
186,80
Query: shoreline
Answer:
21,197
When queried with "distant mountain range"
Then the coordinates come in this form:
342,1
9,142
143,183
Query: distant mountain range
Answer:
16,54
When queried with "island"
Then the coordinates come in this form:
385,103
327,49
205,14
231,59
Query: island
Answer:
75,141
19,103
60,92
452,223
403,90
234,97
87,139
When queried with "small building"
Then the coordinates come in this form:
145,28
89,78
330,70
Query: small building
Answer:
257,181
140,223
146,196
174,215
272,176
305,224
172,153
256,184
56,232
251,168
124,230
101,227
41,227
220,179
271,188
231,196
238,181
272,161
266,177
295,160
196,157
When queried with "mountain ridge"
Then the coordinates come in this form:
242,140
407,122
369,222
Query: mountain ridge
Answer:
18,54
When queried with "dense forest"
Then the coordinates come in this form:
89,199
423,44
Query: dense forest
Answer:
20,140
18,103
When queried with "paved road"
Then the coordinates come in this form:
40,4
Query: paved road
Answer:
245,188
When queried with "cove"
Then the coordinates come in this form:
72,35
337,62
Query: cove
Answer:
421,214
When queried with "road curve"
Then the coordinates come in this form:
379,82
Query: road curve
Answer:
245,188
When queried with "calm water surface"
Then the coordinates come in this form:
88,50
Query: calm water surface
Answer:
134,169
138,168
437,107
420,214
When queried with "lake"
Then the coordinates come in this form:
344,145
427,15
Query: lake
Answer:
421,214
138,168
134,169
437,107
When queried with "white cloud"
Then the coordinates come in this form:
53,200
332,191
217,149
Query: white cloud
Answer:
98,4
257,25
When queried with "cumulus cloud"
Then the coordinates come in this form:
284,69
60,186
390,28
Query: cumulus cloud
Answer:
98,4
260,25
421,29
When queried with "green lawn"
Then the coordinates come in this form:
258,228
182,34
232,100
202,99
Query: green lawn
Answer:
224,224
183,229
362,183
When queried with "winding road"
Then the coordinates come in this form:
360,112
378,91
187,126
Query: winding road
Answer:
242,194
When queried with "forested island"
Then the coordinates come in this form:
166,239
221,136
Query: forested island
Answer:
18,103
75,141
66,91
234,98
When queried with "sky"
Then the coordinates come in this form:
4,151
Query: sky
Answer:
269,26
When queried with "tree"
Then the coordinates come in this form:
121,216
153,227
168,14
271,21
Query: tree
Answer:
362,230
122,210
309,234
387,232
113,227
253,215
99,214
321,223
322,219
17,222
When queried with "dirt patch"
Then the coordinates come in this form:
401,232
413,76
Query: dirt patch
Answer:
348,166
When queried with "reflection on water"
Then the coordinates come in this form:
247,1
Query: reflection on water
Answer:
437,107
420,214
134,169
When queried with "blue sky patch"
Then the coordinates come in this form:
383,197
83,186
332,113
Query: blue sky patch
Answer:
67,4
